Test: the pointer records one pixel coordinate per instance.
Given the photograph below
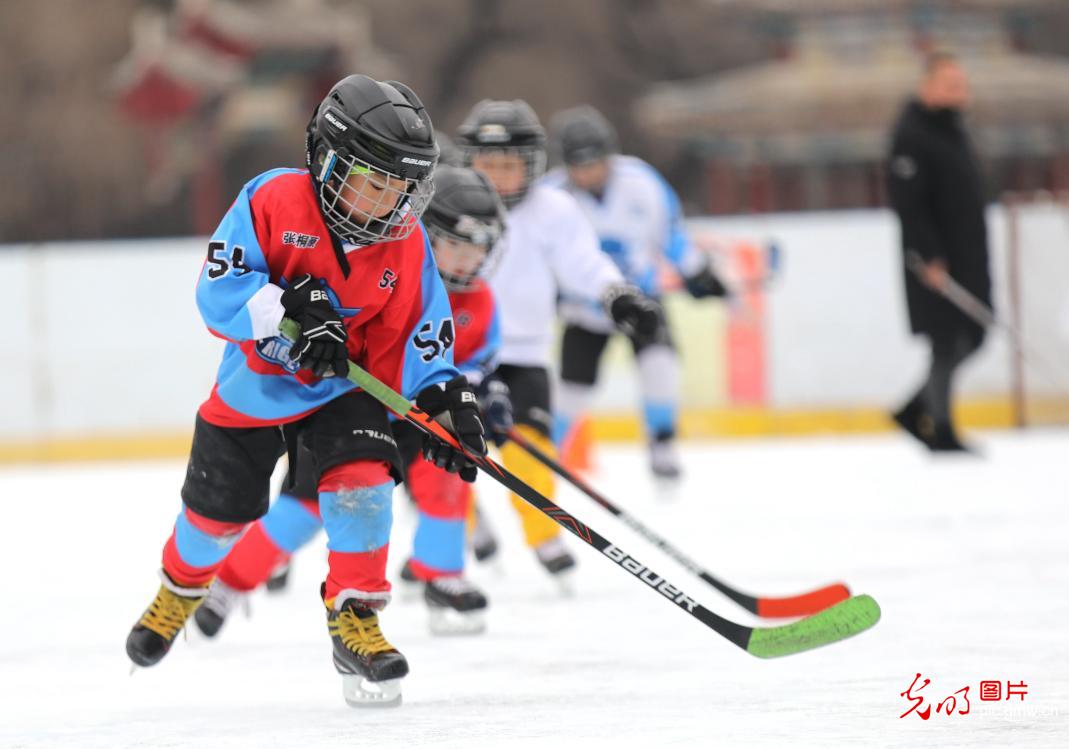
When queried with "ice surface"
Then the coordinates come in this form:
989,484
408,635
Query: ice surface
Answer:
969,559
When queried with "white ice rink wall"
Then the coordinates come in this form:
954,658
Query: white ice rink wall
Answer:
103,338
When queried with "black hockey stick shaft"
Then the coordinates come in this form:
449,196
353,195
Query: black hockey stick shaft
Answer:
799,605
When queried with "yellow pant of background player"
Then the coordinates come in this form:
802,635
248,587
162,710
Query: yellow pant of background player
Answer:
529,391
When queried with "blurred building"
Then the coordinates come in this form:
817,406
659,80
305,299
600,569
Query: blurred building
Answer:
809,129
223,89
144,117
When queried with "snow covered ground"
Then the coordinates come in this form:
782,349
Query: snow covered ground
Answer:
969,559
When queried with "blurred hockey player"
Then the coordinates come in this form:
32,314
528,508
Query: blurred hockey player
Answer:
337,247
638,221
550,249
465,221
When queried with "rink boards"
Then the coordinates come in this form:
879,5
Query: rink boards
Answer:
824,348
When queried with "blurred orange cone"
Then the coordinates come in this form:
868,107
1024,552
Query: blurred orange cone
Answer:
577,450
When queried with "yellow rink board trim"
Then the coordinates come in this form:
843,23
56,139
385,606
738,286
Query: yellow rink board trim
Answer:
699,423
149,446
762,422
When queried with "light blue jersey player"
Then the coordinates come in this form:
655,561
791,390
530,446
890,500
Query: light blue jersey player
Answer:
638,221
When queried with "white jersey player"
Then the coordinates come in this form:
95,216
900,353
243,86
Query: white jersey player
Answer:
549,249
639,225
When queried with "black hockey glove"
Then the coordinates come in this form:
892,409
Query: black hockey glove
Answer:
704,284
497,409
634,313
457,399
320,347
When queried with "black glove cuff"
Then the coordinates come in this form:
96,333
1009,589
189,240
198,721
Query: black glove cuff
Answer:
705,283
492,387
436,399
614,293
298,295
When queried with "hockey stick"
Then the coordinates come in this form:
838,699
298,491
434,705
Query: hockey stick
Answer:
984,316
844,619
799,605
957,295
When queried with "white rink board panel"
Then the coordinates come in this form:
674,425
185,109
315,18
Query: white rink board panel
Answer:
137,356
838,330
966,557
22,397
115,343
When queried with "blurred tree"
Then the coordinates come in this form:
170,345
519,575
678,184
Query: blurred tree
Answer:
71,163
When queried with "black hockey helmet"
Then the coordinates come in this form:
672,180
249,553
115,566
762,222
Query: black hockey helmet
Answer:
449,154
381,131
581,135
465,210
509,126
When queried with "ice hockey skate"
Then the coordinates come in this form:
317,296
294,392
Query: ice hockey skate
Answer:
915,421
371,667
280,578
947,442
455,606
217,606
408,587
558,562
483,542
664,460
151,638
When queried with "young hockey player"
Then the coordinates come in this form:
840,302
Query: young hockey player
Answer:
637,218
447,155
465,221
550,249
338,248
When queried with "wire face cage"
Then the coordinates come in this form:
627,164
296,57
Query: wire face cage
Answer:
534,159
468,254
363,204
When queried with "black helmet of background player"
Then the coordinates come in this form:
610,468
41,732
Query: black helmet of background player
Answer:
449,154
581,135
371,151
466,220
505,141
584,140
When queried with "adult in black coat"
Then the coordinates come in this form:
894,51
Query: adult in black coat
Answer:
937,190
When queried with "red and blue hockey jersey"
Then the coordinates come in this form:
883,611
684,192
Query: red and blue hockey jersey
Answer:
478,331
393,303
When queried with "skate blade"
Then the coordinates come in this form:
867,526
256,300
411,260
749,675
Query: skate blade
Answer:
449,623
359,692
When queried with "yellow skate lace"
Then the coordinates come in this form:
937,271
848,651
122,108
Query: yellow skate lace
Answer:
362,636
168,613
